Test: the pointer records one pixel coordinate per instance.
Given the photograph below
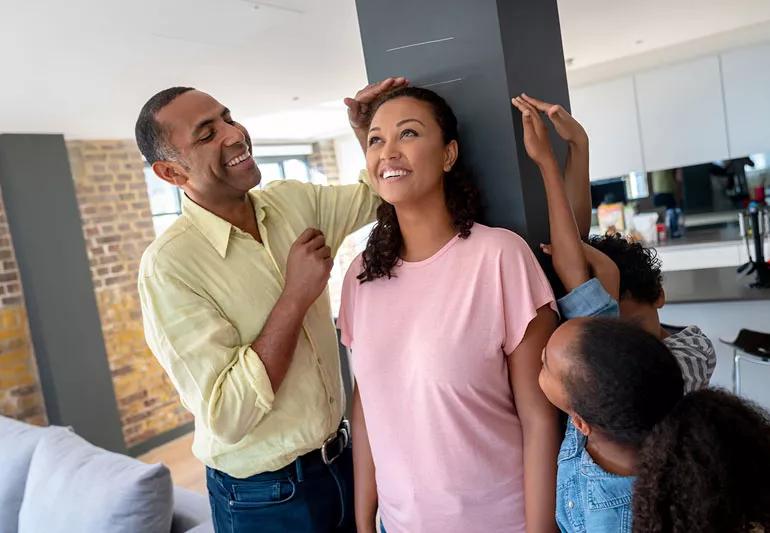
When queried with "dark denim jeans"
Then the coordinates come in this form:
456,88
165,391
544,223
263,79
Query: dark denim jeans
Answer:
306,496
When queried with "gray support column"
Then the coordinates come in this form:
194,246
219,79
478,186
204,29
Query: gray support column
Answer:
47,233
477,54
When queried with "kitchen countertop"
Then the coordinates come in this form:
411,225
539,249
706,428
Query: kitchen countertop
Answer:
692,236
697,237
710,285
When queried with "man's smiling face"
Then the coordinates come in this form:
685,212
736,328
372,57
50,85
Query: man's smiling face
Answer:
212,152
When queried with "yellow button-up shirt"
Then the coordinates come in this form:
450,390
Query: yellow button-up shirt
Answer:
207,289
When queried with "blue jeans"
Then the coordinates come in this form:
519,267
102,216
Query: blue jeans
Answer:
306,496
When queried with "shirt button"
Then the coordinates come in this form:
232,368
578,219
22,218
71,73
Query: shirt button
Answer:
331,400
570,504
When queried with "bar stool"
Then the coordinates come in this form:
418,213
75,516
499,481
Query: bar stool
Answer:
751,357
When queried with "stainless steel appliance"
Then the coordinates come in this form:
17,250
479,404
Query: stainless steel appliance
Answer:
754,227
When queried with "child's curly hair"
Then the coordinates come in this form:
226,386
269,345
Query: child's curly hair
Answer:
640,276
705,468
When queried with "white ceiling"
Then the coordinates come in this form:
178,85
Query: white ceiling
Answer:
596,31
85,68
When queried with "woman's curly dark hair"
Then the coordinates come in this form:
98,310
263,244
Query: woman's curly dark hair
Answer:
705,468
640,276
383,249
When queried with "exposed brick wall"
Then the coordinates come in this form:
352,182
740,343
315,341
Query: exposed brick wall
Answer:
324,160
117,225
20,395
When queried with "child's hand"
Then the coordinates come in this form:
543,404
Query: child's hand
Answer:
536,140
565,124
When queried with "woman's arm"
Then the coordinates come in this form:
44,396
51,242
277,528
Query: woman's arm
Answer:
365,488
539,424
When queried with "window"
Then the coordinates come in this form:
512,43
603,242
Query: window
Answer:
636,186
283,168
165,201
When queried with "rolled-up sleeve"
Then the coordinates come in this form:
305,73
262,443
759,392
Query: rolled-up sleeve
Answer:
588,299
219,377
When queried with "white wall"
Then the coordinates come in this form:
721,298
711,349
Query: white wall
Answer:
711,45
724,320
678,114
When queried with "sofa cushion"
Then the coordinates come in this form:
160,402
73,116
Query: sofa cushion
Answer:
190,509
75,486
17,443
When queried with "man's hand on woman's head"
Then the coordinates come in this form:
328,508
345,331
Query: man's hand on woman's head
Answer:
360,105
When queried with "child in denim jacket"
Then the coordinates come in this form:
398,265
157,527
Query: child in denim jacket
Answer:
594,492
640,456
609,276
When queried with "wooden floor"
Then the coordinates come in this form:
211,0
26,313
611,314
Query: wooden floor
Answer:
186,470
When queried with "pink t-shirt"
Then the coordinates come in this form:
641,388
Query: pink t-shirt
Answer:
428,351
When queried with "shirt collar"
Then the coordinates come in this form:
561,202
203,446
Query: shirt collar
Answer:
214,228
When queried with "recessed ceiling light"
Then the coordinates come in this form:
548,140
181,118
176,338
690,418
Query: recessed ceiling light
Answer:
294,98
639,41
256,4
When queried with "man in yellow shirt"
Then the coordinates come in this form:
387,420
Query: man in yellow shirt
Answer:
236,311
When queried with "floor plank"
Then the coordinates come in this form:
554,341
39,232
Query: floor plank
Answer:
186,470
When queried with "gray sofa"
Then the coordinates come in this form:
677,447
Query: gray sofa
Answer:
53,481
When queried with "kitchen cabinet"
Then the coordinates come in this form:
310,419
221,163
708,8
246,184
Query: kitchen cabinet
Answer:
681,114
607,111
746,78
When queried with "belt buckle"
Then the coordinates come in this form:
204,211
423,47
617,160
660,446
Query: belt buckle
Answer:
344,430
340,439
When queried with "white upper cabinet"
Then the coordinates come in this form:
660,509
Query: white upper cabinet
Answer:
681,113
746,77
607,111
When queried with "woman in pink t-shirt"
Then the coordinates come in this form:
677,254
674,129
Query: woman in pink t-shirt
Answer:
446,320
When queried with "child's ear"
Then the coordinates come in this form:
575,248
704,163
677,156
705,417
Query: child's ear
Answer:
581,425
661,301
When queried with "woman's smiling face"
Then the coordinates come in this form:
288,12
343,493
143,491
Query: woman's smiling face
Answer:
406,154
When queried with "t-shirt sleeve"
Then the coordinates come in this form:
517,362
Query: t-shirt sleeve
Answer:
347,302
525,289
696,357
